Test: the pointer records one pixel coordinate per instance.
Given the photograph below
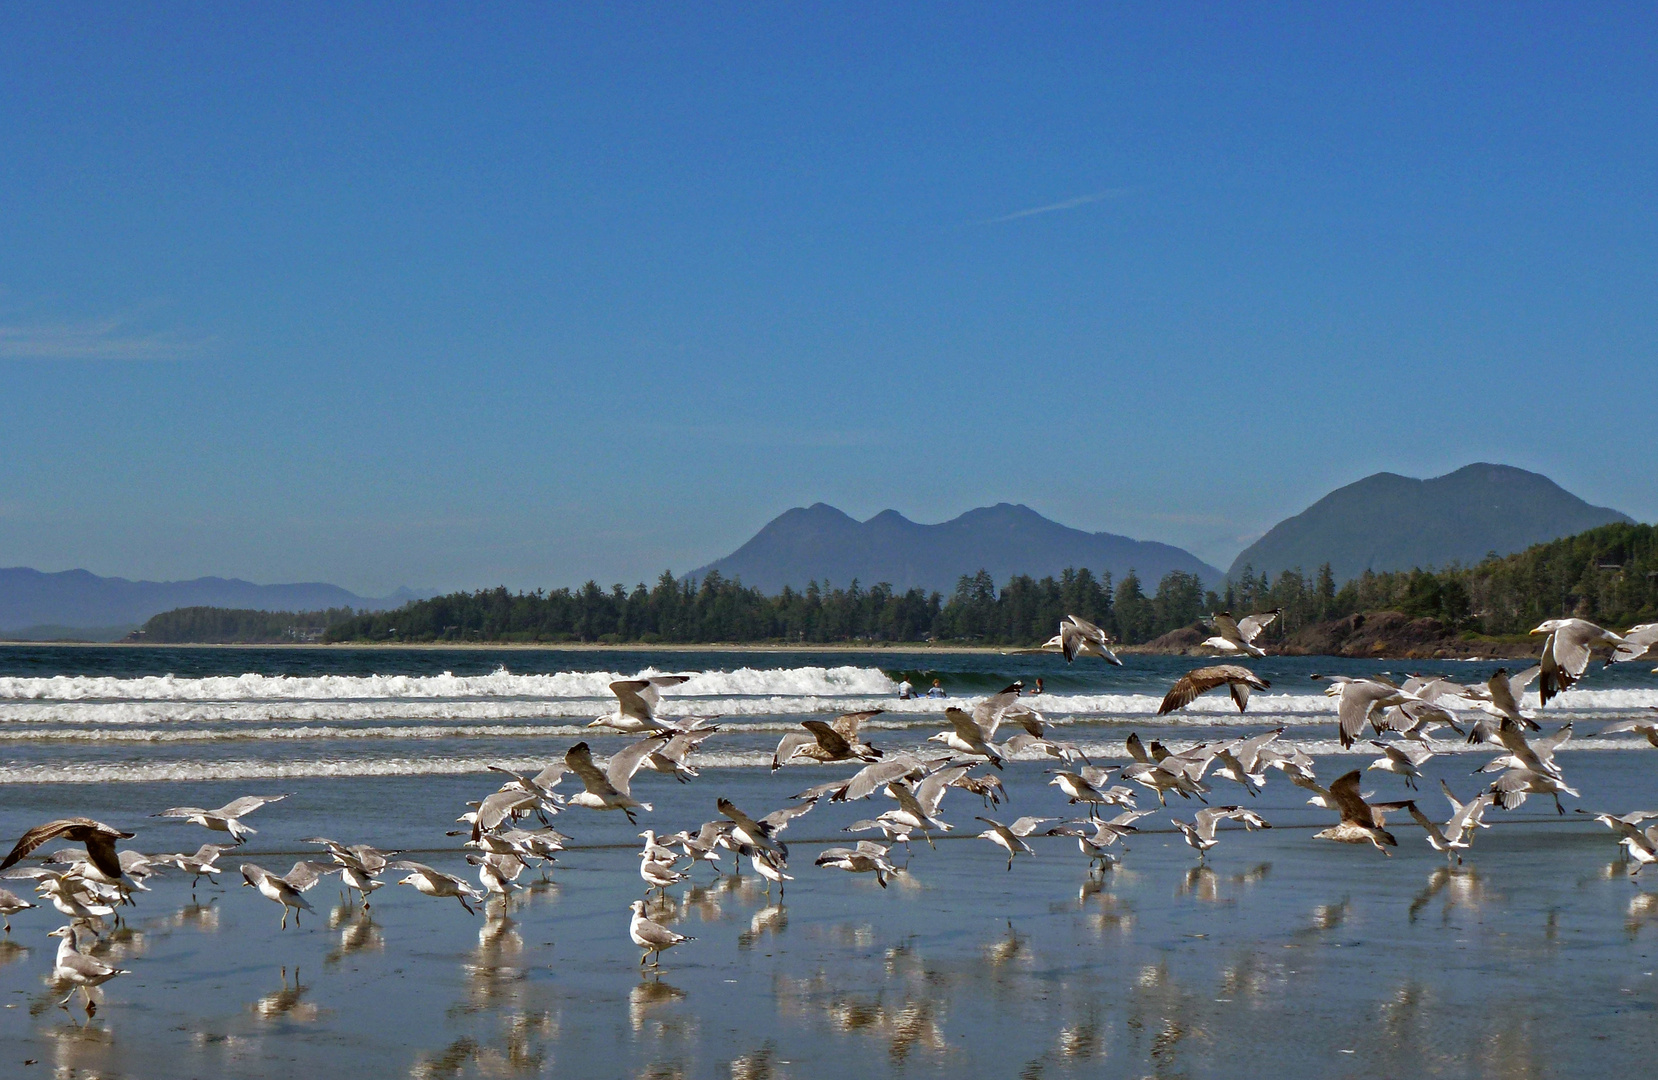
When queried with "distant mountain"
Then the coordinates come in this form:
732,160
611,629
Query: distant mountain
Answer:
820,542
1391,522
35,604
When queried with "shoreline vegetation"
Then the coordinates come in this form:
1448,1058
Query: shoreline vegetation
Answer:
1608,574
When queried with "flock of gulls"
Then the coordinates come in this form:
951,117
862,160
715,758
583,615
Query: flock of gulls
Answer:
509,831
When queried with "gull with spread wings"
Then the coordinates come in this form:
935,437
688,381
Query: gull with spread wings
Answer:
1240,635
610,789
836,740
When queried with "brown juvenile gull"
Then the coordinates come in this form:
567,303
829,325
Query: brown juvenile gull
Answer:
1238,680
1361,822
98,838
836,740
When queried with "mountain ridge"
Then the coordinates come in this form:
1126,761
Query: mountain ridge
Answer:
34,601
1386,521
823,543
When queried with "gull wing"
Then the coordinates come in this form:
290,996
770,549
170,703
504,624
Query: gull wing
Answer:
1637,642
787,745
636,697
930,792
1250,626
1344,792
778,820
966,727
625,762
1227,627
846,725
870,779
1545,747
98,838
180,812
306,874
1024,716
579,758
827,737
987,714
247,804
1027,825
1136,750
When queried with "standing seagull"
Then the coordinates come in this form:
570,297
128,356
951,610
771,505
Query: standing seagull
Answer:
1239,636
1200,833
11,904
636,701
823,743
227,818
1361,822
650,936
1239,680
609,790
79,971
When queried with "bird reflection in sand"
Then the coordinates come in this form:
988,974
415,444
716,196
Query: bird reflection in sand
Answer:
1007,948
1643,909
287,1003
1461,886
1108,913
492,970
1204,885
767,921
702,901
522,1052
1250,975
359,933
648,995
902,1026
1326,917
200,917
11,951
758,1064
1082,1041
81,1051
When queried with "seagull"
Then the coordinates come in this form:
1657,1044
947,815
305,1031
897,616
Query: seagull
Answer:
360,864
1078,637
1200,833
540,785
1060,751
704,845
823,743
762,834
658,875
768,864
1361,822
1359,700
1511,788
227,818
501,806
988,788
1641,844
650,936
79,971
1238,680
672,756
74,896
1500,697
436,883
966,737
1536,756
1093,837
867,858
1457,834
1239,636
1566,652
1639,643
98,838
202,863
11,904
918,806
1085,787
497,872
867,781
1647,729
1402,758
608,790
636,701
1162,779
1011,838
285,890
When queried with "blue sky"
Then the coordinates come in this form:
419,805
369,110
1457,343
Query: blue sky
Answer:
450,296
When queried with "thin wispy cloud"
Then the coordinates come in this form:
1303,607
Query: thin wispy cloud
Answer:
1063,204
93,339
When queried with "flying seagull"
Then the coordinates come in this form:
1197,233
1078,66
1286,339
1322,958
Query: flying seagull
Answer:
1239,636
1238,680
823,742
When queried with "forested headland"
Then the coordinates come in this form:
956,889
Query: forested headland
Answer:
1608,574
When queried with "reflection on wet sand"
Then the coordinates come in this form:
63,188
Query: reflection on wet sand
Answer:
81,1050
1643,909
1203,884
1461,886
901,1018
650,994
287,1003
359,933
203,918
767,921
11,951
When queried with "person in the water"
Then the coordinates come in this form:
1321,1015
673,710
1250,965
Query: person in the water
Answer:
905,691
937,689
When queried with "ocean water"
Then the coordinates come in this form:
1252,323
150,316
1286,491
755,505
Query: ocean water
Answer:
1280,955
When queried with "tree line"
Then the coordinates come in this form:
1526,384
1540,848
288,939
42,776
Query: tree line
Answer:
1609,575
